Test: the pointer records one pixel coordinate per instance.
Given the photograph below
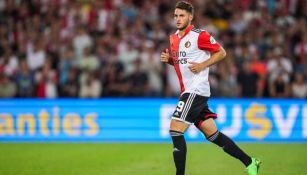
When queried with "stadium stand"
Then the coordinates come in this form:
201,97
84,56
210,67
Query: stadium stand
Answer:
94,48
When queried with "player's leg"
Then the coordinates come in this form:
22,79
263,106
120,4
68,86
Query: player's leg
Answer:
177,129
181,120
209,129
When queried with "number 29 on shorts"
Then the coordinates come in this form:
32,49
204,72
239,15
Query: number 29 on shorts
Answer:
180,106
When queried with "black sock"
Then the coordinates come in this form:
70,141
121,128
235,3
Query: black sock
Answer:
179,152
230,147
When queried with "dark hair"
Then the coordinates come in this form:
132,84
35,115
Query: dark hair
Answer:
183,5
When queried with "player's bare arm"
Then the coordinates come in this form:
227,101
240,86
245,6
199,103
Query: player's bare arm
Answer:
215,58
166,58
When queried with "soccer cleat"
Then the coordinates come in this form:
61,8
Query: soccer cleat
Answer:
253,168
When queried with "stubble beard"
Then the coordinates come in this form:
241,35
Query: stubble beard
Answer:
184,27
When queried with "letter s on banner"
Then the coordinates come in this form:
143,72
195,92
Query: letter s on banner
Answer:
255,117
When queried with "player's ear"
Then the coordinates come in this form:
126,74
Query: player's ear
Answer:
191,17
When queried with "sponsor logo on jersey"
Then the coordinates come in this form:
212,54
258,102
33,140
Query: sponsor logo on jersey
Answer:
212,40
181,61
179,57
179,54
187,44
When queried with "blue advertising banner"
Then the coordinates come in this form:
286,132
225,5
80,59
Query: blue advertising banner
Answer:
147,120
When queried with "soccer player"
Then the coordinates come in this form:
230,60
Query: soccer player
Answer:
191,53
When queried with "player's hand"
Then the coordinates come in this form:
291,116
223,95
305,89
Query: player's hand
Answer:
196,67
165,56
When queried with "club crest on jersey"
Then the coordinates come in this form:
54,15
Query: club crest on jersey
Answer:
187,44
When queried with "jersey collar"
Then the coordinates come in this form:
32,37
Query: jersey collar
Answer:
189,28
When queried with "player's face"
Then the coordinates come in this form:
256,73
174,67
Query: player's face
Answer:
182,18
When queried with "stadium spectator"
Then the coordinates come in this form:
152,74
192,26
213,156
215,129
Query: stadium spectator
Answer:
259,67
46,82
36,55
9,62
279,88
128,55
115,82
25,80
237,24
228,85
300,51
88,61
299,87
81,41
70,88
7,87
139,80
66,63
151,64
279,65
90,87
248,81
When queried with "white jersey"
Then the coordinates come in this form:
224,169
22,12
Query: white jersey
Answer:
194,46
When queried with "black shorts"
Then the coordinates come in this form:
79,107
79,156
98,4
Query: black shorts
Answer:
193,109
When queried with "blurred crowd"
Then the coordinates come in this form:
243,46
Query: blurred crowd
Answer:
111,48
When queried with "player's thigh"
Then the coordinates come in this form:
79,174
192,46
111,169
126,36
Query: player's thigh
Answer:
208,127
178,125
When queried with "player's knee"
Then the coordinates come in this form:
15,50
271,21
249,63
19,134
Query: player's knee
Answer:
208,130
178,126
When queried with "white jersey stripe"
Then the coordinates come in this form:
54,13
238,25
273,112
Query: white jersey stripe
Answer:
188,107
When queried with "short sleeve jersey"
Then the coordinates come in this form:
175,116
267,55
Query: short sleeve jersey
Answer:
194,46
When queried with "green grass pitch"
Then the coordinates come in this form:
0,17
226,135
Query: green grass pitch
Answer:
143,159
